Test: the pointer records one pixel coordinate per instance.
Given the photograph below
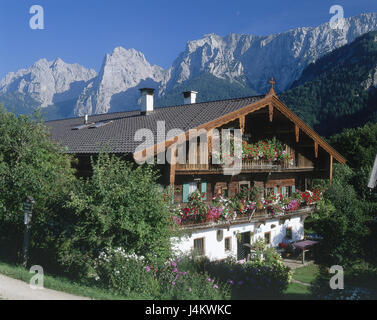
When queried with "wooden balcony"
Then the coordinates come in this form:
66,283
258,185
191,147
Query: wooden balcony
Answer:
260,217
247,166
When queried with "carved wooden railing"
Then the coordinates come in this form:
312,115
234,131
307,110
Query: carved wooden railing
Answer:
260,215
246,165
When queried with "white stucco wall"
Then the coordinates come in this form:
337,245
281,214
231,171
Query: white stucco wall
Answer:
215,250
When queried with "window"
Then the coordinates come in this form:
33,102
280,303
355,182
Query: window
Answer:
193,186
228,244
199,247
270,191
244,189
289,191
267,237
288,233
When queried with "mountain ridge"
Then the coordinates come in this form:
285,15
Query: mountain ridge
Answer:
243,63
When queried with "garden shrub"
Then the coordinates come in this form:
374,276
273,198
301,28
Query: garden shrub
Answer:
125,274
32,165
342,222
128,274
256,279
120,205
180,281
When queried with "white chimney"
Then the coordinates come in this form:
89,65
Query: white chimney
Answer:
147,100
190,97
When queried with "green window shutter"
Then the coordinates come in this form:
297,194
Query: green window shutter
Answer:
276,190
283,191
185,192
293,189
172,192
204,189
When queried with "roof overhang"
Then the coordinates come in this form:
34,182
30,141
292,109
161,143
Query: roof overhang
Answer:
271,101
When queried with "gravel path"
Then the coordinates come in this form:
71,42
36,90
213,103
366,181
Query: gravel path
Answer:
11,289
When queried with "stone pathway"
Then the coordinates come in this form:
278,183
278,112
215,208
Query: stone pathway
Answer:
299,282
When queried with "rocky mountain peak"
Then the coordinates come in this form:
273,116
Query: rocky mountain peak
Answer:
241,59
121,72
45,80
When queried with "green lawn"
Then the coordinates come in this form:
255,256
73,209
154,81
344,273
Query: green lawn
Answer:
298,291
63,284
306,274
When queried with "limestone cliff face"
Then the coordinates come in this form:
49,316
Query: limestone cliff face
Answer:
120,71
251,60
48,82
245,59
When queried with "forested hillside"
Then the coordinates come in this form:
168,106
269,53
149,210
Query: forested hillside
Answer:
339,90
209,88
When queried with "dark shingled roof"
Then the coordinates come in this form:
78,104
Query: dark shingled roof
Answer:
118,136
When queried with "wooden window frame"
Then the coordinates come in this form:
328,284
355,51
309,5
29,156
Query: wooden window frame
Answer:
191,185
230,244
289,190
269,237
241,183
270,191
202,254
286,233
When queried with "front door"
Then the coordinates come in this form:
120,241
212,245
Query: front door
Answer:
243,251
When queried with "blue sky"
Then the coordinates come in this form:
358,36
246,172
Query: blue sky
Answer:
83,31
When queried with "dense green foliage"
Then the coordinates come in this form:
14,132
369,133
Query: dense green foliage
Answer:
74,219
346,219
343,223
31,165
120,205
358,145
332,93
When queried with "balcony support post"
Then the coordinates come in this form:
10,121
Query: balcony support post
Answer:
316,149
271,111
242,124
331,169
297,131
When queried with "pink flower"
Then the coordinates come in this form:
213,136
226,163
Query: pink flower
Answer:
216,286
173,283
148,268
175,270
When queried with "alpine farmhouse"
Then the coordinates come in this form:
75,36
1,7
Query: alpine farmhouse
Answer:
259,118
